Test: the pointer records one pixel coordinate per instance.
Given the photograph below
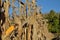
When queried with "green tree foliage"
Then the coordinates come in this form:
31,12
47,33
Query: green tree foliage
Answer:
53,21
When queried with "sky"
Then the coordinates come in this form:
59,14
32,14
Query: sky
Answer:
46,5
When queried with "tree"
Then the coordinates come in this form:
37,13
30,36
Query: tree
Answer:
53,21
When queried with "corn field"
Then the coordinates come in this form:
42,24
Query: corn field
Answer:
26,24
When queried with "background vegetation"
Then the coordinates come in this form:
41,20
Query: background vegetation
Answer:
53,21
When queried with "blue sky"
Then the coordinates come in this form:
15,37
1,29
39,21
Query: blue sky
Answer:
47,5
